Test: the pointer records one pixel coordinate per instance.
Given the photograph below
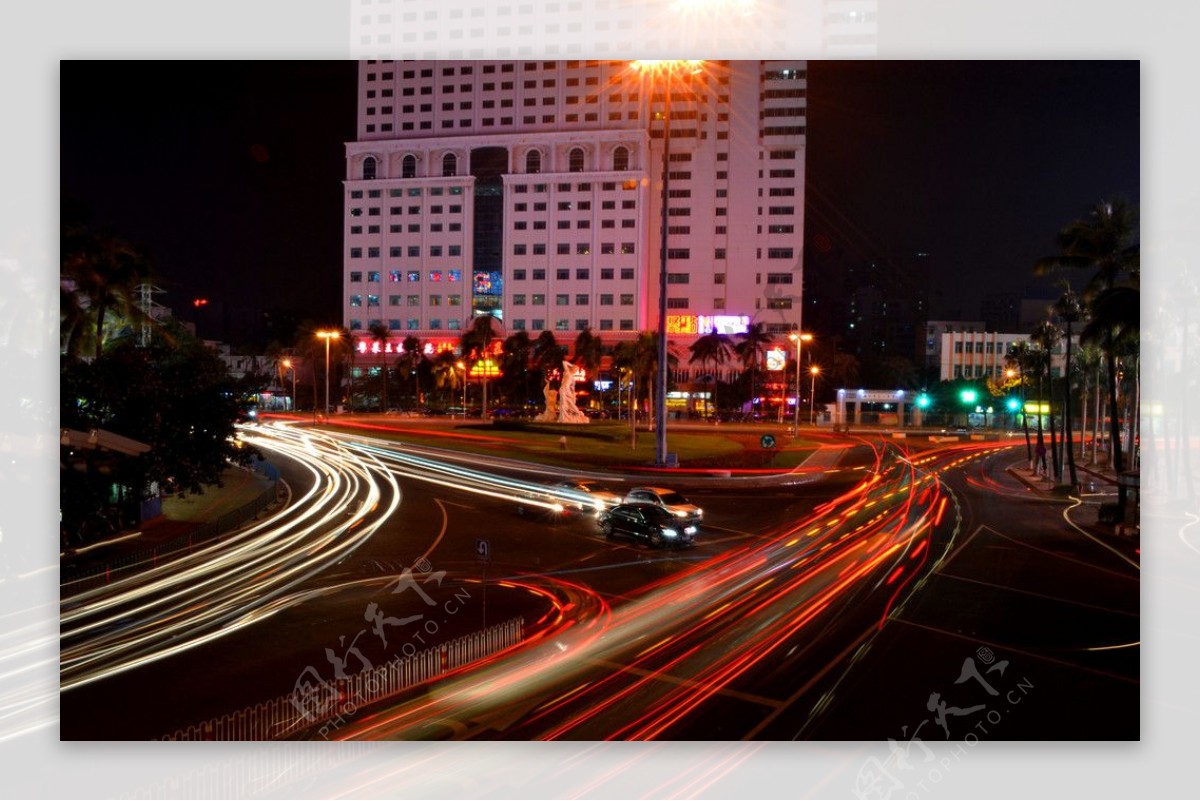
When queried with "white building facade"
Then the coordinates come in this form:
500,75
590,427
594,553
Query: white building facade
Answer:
533,190
984,354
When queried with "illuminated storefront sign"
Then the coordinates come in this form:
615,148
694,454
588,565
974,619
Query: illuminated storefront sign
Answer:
681,324
723,324
776,359
365,346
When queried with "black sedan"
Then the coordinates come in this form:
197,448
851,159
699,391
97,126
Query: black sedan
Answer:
648,522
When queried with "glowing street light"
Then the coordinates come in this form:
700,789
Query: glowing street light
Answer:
462,366
663,73
812,394
799,339
328,336
291,366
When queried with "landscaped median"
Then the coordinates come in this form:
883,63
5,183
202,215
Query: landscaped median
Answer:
598,445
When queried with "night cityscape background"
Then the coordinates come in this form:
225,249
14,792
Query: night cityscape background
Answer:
973,165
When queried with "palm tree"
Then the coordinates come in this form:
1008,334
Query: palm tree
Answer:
446,374
106,271
1069,310
1021,355
516,353
379,334
547,353
843,369
1103,243
478,340
588,351
712,350
413,358
751,349
1047,337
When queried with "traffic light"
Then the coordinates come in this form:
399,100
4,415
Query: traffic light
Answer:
1013,404
969,396
923,401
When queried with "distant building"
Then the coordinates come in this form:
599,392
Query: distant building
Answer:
983,354
531,190
930,347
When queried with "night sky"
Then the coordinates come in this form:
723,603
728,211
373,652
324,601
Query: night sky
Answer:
229,173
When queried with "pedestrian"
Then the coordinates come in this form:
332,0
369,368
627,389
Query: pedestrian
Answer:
1040,462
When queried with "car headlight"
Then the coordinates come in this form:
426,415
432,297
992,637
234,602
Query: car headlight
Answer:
670,532
690,530
680,514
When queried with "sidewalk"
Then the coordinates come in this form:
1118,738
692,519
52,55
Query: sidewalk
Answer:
1097,481
184,521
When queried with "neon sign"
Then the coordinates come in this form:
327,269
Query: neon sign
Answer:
776,359
723,324
681,324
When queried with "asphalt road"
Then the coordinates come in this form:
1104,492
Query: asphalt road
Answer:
792,618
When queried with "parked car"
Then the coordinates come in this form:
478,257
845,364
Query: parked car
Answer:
649,522
668,499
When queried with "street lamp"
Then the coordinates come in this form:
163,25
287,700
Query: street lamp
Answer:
463,366
291,366
799,339
328,336
664,71
812,394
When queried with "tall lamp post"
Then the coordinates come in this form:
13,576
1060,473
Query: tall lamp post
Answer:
799,339
664,71
289,364
463,366
812,394
328,336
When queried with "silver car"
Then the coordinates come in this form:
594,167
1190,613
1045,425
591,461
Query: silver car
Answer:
668,499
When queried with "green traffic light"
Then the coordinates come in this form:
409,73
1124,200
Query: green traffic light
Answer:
923,401
969,395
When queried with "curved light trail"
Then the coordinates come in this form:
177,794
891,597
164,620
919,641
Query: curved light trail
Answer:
693,635
225,585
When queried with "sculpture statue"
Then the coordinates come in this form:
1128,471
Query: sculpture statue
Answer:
567,411
550,413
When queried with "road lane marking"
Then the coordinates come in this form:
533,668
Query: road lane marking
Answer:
977,641
1040,595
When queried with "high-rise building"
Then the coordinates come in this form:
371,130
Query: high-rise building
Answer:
532,190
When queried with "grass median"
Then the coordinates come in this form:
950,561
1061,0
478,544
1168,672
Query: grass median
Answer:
597,445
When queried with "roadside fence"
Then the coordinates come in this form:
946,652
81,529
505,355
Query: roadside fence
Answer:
312,703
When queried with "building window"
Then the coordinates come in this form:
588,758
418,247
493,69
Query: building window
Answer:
393,300
394,276
539,299
562,299
677,278
582,299
374,276
533,162
779,278
626,273
621,159
408,167
677,303
449,165
356,300
369,167
561,325
575,160
779,303
356,277
627,300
